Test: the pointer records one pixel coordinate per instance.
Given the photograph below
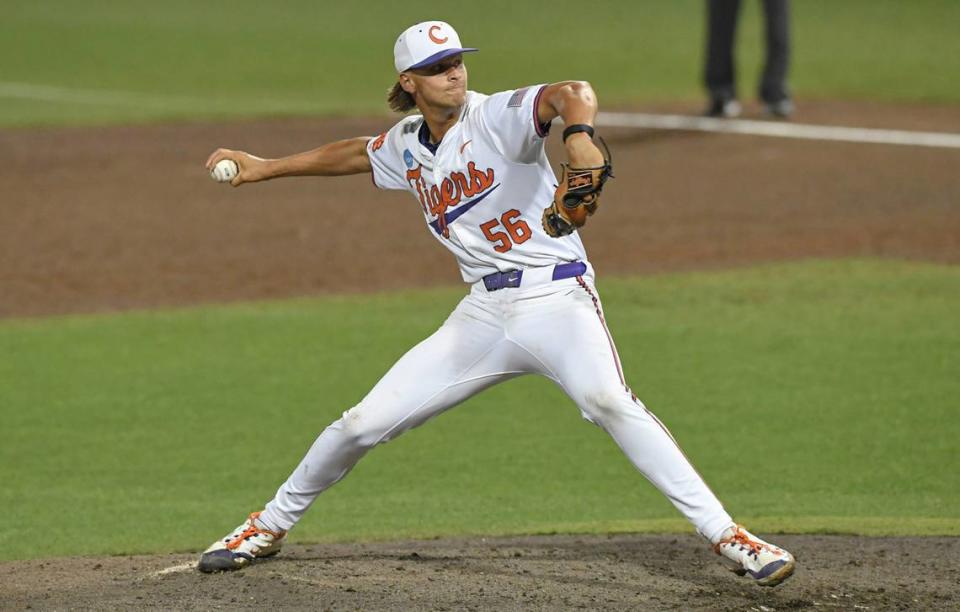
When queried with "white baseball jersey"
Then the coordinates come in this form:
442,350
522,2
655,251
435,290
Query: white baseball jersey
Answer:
483,188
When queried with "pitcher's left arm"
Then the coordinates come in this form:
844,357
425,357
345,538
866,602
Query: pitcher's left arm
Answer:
583,177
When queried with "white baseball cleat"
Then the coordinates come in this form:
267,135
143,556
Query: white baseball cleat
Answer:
244,544
767,564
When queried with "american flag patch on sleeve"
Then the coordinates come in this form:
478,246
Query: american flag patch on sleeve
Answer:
517,98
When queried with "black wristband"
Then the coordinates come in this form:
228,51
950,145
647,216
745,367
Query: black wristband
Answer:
576,128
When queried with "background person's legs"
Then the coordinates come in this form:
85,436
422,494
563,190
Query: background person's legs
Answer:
773,83
719,66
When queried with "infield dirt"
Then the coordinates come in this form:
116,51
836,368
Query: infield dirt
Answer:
106,219
622,572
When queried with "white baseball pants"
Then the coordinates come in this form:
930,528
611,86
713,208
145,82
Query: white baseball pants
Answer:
489,338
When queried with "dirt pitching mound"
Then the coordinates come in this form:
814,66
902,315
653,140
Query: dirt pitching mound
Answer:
620,572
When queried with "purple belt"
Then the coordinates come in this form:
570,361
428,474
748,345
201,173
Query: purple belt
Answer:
502,280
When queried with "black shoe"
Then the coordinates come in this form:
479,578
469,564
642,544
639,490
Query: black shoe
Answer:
723,109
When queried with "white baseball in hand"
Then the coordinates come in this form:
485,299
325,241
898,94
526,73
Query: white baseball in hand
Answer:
224,171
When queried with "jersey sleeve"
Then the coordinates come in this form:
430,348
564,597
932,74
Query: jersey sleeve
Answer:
386,161
510,118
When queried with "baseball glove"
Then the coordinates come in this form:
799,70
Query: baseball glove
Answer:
577,196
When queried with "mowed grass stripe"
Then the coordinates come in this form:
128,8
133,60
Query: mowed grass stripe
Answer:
247,58
814,397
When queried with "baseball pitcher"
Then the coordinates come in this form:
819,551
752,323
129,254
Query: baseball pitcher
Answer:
476,166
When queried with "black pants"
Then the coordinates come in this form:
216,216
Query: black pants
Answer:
721,30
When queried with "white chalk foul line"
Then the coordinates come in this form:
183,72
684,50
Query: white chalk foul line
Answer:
97,97
104,97
779,129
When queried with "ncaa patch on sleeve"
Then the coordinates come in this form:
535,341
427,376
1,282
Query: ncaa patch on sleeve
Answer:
517,98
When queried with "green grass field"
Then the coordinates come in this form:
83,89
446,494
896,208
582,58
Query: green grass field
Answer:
814,397
63,62
817,396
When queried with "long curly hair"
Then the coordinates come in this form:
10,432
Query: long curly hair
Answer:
399,100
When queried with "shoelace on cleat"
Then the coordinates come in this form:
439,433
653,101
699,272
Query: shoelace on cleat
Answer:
754,548
246,533
251,531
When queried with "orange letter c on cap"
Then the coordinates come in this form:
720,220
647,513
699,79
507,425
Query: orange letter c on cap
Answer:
439,41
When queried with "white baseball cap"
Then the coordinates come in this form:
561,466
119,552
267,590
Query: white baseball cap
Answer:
424,44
